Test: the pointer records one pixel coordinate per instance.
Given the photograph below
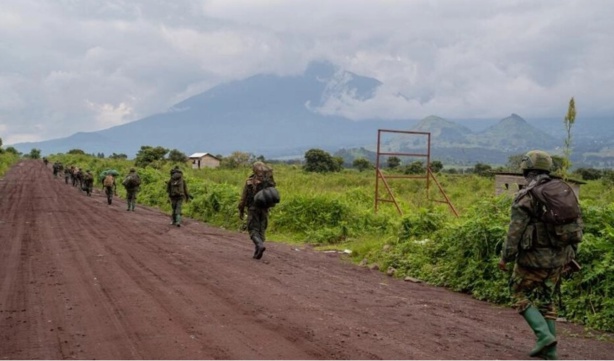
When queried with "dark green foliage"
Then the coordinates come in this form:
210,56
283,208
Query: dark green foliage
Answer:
317,160
118,156
362,164
483,170
416,167
436,166
588,173
12,150
76,151
393,162
149,155
177,156
34,153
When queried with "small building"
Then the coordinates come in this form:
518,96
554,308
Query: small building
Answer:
202,160
511,183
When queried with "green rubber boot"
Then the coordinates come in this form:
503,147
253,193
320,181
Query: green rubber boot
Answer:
549,352
178,220
540,327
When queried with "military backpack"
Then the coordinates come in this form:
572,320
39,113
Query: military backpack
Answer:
559,210
176,185
131,181
108,180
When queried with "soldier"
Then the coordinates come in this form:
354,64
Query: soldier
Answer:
132,182
68,174
88,182
109,187
539,261
177,191
257,217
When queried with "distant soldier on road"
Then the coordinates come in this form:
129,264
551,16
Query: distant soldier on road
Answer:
88,182
177,190
68,174
257,214
109,187
132,183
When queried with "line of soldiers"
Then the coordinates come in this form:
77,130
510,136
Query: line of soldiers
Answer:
176,188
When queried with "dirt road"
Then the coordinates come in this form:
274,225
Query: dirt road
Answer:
80,279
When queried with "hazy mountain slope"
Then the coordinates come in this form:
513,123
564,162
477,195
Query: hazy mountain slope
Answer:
512,134
264,114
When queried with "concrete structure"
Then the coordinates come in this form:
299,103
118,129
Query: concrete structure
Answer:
511,183
202,160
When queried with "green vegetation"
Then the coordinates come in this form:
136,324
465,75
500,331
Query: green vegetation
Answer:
7,159
335,210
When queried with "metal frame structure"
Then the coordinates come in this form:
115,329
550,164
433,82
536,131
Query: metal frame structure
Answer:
428,177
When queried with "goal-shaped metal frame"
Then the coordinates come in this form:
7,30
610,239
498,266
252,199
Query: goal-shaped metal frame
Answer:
379,176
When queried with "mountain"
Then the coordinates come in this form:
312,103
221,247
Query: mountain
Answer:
284,116
512,134
264,114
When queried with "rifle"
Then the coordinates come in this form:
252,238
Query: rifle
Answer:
572,267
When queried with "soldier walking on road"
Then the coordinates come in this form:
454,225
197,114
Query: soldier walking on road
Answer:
109,187
132,183
257,214
540,253
68,174
177,192
88,182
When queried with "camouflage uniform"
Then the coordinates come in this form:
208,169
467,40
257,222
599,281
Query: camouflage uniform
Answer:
538,264
132,191
257,218
177,201
88,182
110,191
539,261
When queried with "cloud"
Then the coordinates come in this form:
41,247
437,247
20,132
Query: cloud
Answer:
70,66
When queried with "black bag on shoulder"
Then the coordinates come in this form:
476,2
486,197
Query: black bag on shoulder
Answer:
267,197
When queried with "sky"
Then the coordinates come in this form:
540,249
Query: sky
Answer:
70,66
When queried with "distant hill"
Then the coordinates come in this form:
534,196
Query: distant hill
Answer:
512,134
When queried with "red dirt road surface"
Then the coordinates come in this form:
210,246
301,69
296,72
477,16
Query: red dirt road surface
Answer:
80,279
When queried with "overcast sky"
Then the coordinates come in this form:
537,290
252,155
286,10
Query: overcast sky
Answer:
84,65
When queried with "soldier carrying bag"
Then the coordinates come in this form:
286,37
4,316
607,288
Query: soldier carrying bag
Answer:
559,210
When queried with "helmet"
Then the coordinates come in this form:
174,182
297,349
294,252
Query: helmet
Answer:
259,167
536,160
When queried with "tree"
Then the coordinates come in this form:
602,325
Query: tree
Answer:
12,150
416,167
570,119
148,155
393,162
237,159
118,156
317,160
482,169
35,153
75,151
436,166
589,173
361,164
176,156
